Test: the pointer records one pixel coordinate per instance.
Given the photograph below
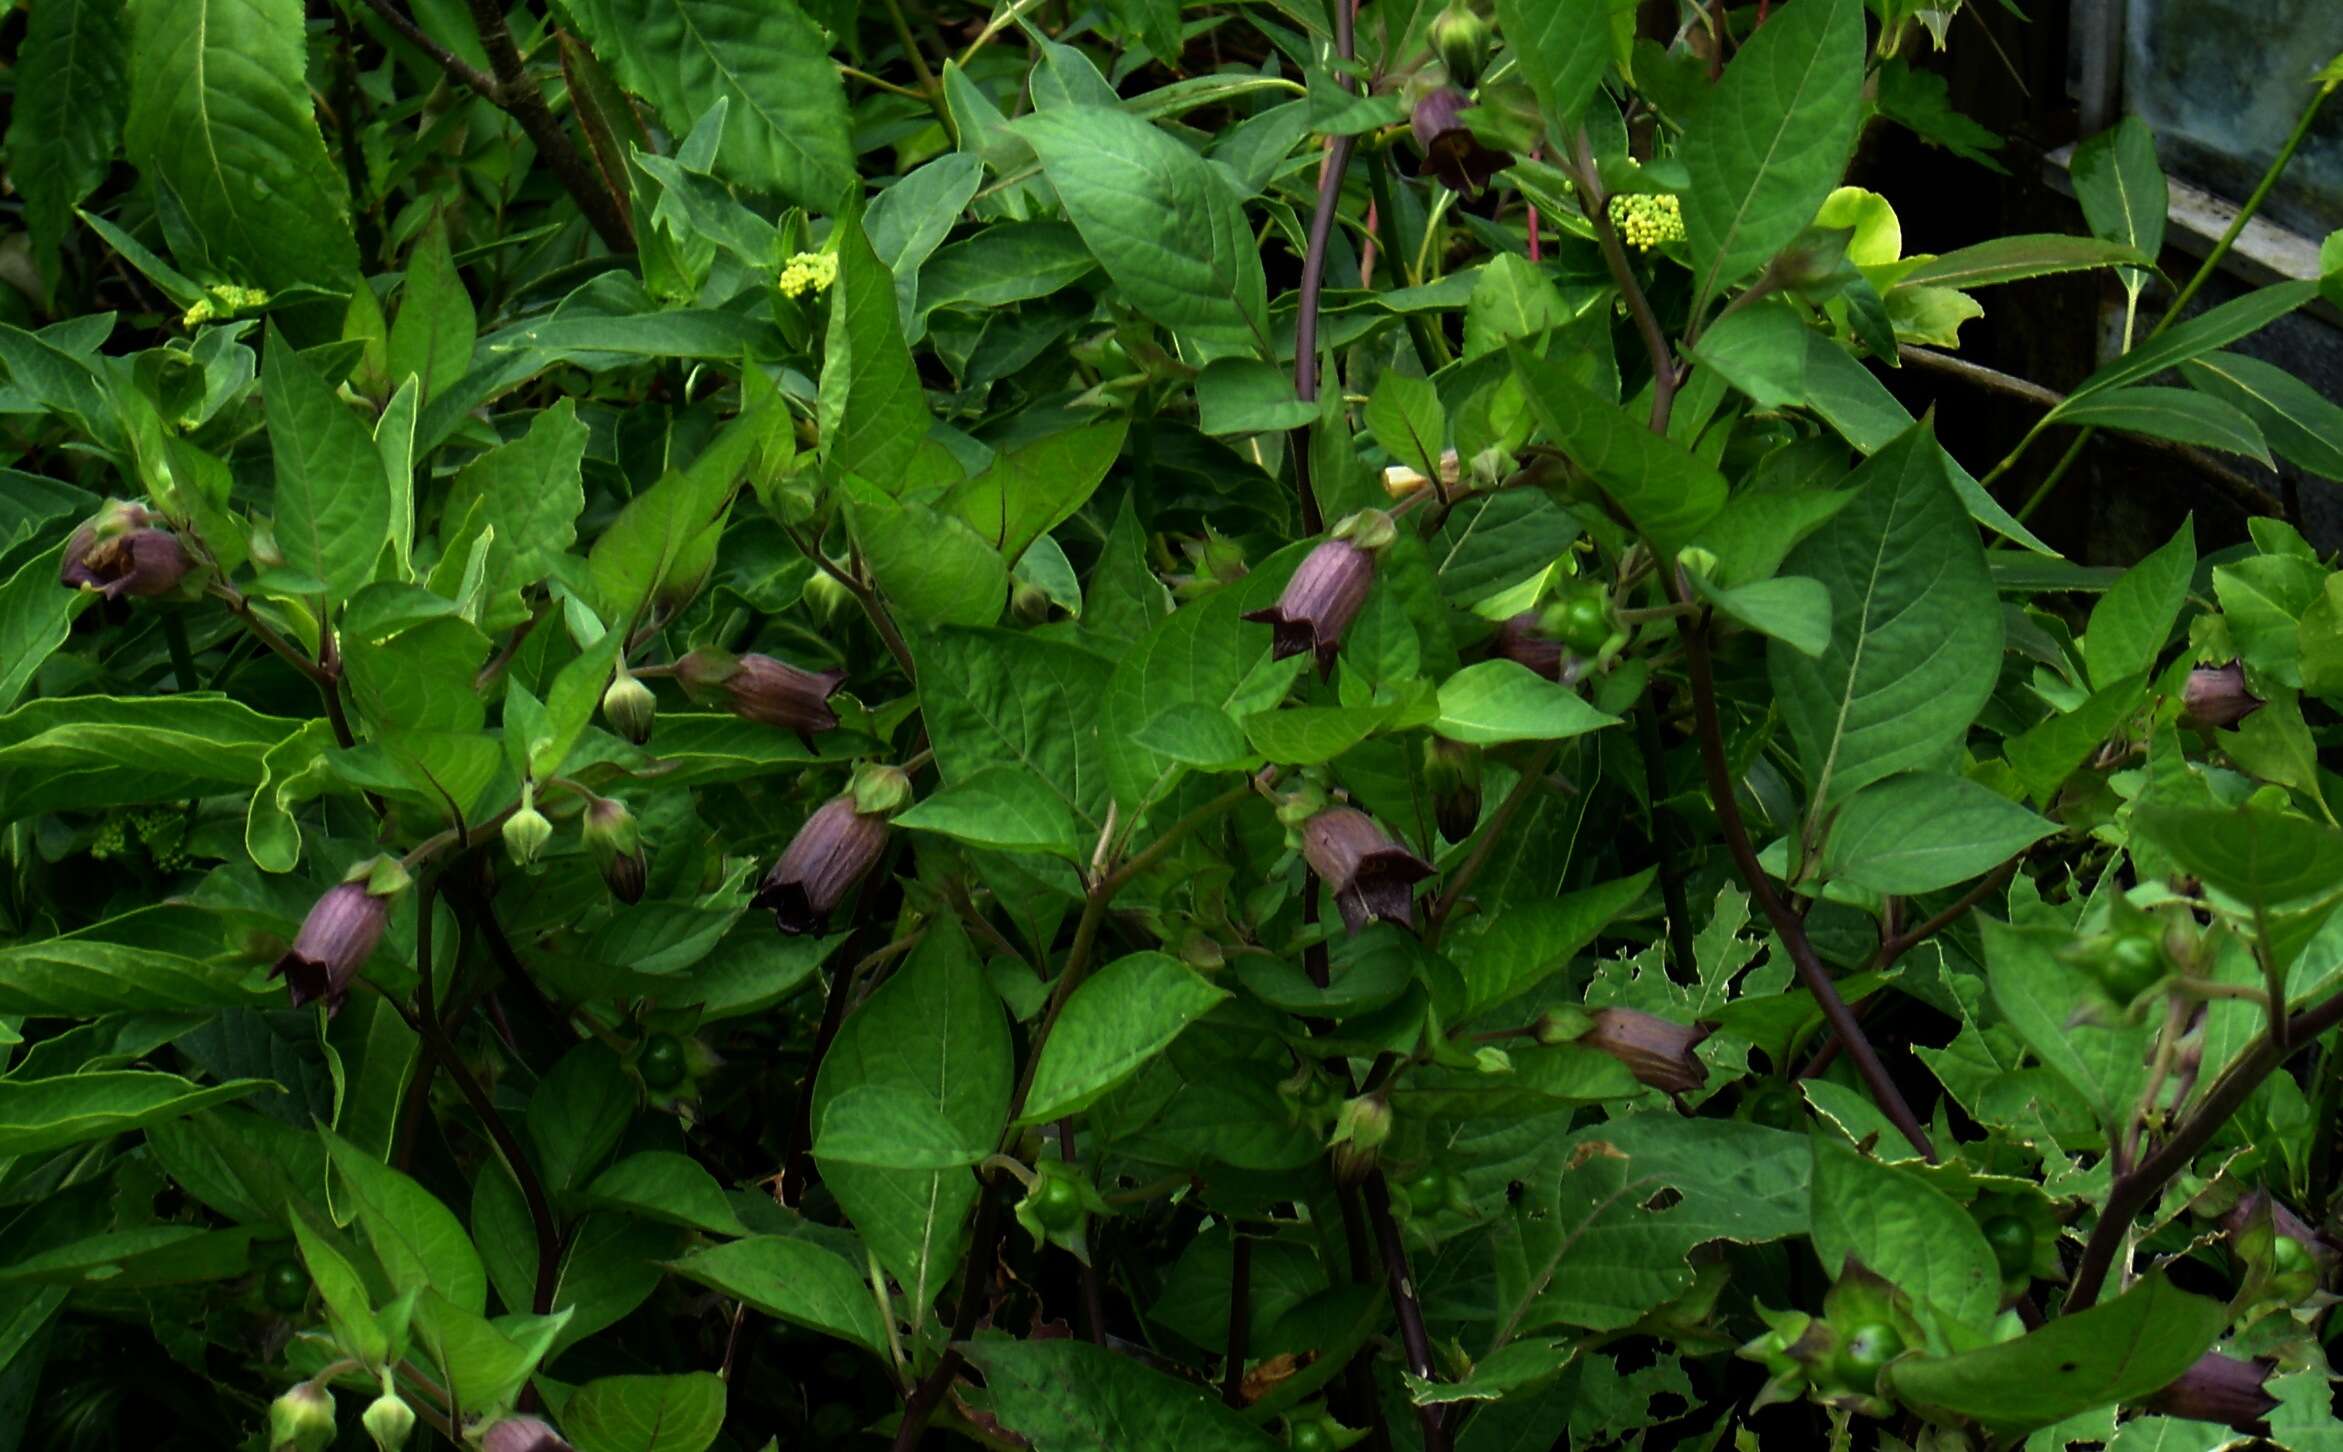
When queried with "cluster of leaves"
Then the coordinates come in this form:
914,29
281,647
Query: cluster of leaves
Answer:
724,723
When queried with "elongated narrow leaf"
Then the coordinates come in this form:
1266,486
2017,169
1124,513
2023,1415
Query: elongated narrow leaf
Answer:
1916,630
40,1114
2216,327
2302,425
785,127
72,92
2121,186
872,413
1166,226
2182,415
332,500
220,114
1768,144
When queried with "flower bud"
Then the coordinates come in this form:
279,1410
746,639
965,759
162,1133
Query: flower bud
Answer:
826,595
2220,1389
630,707
523,1434
335,941
879,790
120,551
1557,1026
302,1420
1654,1050
617,845
822,863
1359,1133
761,689
2215,696
1521,641
1369,529
1452,776
526,831
1461,38
1029,602
1372,876
1451,151
389,1421
1319,602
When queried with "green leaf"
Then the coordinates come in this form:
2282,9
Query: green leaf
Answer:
2134,618
1067,1395
36,613
1895,1224
666,533
220,118
1007,808
930,565
1126,1014
2301,424
101,751
2011,259
794,1281
1768,144
1504,955
910,219
2121,1351
873,414
1916,630
486,1361
883,1127
2121,186
72,92
935,1029
579,1112
2263,858
107,969
1924,830
1562,47
2182,415
1248,396
418,1240
1503,700
432,336
1406,416
1789,608
348,1308
1760,350
2050,749
994,698
646,1413
667,1186
42,1114
1667,491
530,492
785,129
2037,995
2215,327
332,500
1311,735
1031,489
1165,224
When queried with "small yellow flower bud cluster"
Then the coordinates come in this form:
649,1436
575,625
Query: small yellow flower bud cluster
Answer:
806,271
225,300
1646,219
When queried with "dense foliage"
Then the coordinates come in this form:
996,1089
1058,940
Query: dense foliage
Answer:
1140,726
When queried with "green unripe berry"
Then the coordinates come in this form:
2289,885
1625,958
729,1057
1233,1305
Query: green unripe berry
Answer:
2012,1240
663,1061
1864,1352
284,1285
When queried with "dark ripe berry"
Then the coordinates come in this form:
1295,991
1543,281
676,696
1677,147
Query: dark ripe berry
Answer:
284,1285
662,1061
1864,1351
2012,1240
1057,1203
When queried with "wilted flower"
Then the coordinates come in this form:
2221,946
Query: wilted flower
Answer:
829,854
630,707
762,689
523,1434
1373,877
335,941
302,1420
617,845
1654,1050
120,551
2216,696
1321,599
2220,1389
1521,641
1451,151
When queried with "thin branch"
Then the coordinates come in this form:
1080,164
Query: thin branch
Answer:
1412,1337
1466,871
1665,378
1240,1315
929,1393
447,60
865,596
2135,1190
1786,924
1896,945
1667,843
1330,179
1093,1295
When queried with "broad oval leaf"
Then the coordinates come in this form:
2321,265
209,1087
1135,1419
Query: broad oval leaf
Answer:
1127,1013
1924,830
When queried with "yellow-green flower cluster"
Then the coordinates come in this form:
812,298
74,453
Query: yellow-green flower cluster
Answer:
809,271
162,833
225,300
1646,219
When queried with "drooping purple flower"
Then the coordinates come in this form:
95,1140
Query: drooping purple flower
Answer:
335,941
1320,601
822,863
1520,641
1372,876
2215,696
2220,1389
1451,151
523,1434
1655,1050
617,847
765,690
121,551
